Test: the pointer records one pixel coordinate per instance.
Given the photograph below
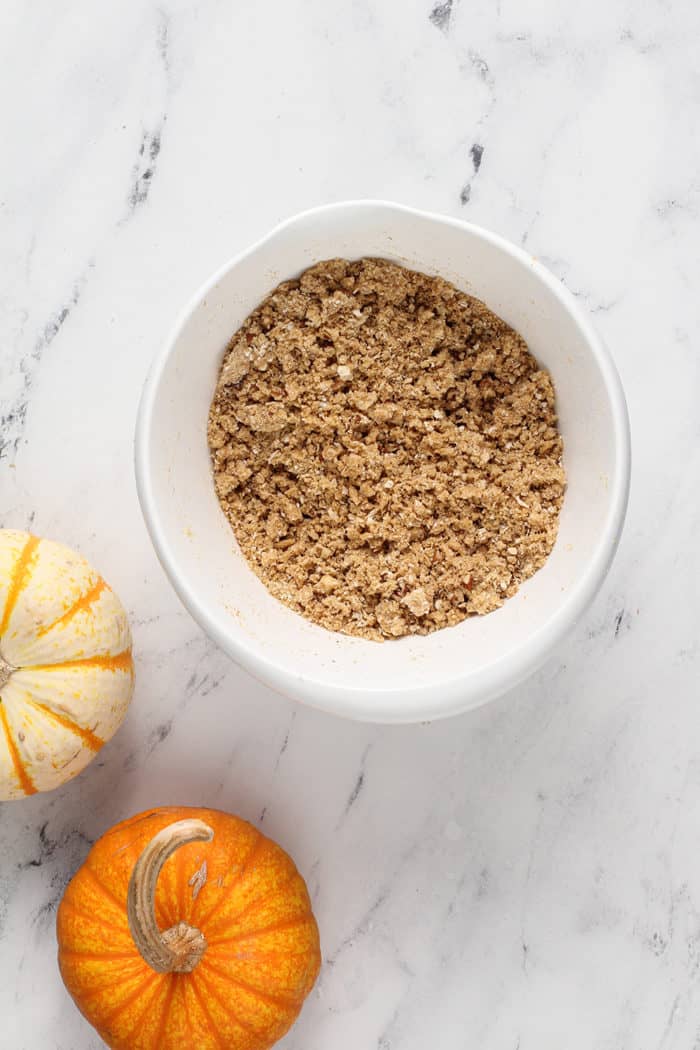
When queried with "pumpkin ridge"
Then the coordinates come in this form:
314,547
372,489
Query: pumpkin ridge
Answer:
121,662
255,903
259,956
184,895
21,574
276,927
89,738
25,781
226,1007
104,889
257,845
148,980
165,1009
98,991
90,918
146,1009
191,985
83,602
107,957
266,997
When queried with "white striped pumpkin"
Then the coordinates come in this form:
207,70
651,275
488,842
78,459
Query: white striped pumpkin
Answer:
66,672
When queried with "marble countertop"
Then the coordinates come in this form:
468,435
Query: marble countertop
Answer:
527,876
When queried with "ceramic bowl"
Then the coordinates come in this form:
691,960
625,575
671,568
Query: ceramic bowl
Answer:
415,678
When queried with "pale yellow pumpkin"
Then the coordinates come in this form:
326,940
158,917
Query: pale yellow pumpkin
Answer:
66,672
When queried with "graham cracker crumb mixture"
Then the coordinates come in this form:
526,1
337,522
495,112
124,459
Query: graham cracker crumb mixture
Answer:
386,450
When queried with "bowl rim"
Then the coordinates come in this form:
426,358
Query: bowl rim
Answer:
459,693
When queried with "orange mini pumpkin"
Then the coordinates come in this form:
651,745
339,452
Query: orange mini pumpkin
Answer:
187,929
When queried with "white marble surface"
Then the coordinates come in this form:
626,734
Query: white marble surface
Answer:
522,878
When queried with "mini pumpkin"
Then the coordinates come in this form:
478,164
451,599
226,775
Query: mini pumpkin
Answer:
187,929
66,673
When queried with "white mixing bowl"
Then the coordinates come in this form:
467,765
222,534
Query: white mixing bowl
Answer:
416,678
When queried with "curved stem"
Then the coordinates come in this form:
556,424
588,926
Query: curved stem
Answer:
179,949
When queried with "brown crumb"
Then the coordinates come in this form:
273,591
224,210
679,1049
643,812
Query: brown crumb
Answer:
386,450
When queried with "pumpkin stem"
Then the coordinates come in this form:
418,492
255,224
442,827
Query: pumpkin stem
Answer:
179,949
5,672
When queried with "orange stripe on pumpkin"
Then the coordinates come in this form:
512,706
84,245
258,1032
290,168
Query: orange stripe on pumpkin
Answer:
119,904
184,894
233,920
88,738
82,603
21,574
165,1011
260,957
194,990
242,872
148,1006
197,977
148,981
95,918
275,927
107,957
120,662
265,997
25,781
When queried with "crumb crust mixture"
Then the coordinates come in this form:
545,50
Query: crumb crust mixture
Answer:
386,450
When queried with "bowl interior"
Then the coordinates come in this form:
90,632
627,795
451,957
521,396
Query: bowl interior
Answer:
413,678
